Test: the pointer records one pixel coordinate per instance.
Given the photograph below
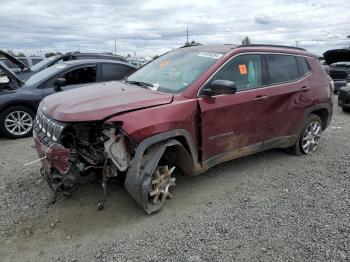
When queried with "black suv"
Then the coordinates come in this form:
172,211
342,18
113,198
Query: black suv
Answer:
19,99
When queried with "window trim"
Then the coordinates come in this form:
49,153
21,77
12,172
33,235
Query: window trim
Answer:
264,85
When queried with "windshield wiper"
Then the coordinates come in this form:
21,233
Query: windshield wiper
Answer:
140,83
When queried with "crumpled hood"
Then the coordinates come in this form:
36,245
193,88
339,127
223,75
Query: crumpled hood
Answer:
99,101
337,55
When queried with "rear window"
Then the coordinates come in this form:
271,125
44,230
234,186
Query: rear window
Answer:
282,68
303,65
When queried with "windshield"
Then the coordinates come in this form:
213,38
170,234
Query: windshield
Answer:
42,63
174,71
44,74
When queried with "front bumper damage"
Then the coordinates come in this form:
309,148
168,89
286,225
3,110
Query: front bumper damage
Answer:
63,170
57,167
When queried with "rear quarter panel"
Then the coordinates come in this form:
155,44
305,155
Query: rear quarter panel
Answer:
320,82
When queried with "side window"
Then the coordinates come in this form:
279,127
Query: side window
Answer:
282,68
81,75
24,60
303,66
112,72
9,64
36,60
244,70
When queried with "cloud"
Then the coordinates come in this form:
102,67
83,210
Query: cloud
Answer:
155,26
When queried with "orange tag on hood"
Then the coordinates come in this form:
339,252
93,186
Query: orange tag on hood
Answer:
242,69
164,63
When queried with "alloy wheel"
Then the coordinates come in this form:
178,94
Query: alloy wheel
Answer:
162,180
18,123
311,137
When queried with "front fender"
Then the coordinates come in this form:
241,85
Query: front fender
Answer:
138,177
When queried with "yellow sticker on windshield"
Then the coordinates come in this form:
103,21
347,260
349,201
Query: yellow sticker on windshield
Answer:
164,63
242,69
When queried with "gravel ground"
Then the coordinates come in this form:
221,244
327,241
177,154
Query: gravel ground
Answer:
269,206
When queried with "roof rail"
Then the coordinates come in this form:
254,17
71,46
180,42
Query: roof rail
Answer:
267,45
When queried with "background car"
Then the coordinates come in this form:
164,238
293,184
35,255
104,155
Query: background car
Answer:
344,98
25,69
339,62
19,99
27,60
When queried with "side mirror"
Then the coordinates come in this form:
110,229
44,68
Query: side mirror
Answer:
219,87
57,85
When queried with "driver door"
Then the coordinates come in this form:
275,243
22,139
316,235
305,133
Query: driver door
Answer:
76,77
233,124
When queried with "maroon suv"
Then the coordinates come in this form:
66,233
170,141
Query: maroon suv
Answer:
190,109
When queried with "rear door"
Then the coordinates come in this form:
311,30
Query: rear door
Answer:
234,124
113,71
288,97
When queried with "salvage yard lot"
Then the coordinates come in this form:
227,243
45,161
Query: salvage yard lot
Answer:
269,206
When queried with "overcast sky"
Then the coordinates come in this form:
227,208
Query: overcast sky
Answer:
153,27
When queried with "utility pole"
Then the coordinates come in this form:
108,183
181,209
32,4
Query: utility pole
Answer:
296,43
115,46
187,35
78,47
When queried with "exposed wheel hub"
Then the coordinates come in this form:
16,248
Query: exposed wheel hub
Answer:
161,181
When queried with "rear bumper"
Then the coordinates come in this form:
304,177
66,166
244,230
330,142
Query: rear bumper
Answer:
52,156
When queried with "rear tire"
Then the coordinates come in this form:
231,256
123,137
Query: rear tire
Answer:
309,136
17,122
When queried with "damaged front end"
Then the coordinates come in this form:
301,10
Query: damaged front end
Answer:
75,153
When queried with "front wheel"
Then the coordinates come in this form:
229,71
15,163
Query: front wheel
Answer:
309,136
159,187
16,122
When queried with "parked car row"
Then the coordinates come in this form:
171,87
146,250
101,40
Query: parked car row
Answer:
190,109
27,61
339,66
21,92
339,61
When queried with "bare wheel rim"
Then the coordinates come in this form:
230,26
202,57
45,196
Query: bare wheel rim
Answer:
311,137
161,181
18,123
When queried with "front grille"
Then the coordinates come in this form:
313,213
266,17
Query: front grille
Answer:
47,128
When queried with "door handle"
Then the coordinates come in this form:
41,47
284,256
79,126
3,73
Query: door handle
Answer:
260,98
304,89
